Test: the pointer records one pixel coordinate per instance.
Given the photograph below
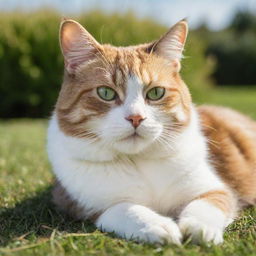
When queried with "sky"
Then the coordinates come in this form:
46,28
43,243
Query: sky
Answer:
217,14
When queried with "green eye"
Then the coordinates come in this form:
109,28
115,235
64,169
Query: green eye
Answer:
156,93
106,93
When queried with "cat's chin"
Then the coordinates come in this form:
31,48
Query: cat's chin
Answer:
131,145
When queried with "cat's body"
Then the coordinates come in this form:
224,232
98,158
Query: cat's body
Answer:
232,149
134,164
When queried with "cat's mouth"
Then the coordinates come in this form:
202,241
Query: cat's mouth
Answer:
133,136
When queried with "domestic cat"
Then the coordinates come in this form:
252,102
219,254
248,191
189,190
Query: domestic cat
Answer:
133,154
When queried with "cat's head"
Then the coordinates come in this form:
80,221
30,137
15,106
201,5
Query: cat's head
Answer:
128,98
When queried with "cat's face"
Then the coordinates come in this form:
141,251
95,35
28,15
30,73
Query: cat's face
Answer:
127,98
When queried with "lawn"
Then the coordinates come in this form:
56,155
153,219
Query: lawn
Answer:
30,225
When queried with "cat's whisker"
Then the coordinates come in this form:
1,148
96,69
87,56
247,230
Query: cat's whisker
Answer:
165,143
169,134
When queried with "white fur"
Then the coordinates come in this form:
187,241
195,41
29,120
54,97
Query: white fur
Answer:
139,223
203,221
134,181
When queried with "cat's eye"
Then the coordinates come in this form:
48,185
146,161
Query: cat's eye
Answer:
155,93
106,93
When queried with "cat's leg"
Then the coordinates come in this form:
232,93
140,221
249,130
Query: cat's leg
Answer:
139,223
205,218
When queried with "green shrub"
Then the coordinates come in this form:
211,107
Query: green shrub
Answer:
235,58
32,66
234,50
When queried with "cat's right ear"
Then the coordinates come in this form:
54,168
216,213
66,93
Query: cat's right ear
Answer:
170,46
77,44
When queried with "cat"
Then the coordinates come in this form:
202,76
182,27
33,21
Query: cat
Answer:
133,154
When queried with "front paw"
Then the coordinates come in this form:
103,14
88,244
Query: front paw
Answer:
162,230
139,223
199,231
203,221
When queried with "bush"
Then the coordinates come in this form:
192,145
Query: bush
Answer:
235,51
235,58
32,66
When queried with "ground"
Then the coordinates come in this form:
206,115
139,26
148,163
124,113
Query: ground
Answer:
30,225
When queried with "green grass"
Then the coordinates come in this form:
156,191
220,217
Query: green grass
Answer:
30,225
240,98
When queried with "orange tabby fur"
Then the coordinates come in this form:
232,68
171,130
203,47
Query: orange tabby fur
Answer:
232,143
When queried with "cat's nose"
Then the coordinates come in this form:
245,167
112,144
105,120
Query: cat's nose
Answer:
135,120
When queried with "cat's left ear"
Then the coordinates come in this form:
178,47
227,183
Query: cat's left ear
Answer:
77,44
171,45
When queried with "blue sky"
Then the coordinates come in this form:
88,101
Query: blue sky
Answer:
216,13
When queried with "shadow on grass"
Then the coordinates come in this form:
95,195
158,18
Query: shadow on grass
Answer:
36,217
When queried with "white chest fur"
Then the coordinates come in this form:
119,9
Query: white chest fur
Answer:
98,179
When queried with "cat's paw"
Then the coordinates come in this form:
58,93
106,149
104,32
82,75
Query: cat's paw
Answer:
139,223
162,230
202,222
199,231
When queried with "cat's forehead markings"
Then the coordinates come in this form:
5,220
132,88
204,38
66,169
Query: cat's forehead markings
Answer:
108,76
145,76
154,77
128,62
119,77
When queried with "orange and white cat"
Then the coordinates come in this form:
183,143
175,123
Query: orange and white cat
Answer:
132,153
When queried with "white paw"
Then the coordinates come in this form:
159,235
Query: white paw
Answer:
203,222
139,223
162,230
199,231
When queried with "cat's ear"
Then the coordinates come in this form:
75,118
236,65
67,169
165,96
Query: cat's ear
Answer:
77,45
171,44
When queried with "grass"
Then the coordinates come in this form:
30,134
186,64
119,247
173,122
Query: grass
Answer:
30,225
240,98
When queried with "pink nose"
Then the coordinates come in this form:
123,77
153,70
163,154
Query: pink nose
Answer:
135,120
